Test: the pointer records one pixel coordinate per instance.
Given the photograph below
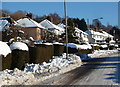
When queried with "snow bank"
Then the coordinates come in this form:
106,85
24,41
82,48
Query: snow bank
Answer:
4,49
19,45
102,53
35,73
57,63
16,77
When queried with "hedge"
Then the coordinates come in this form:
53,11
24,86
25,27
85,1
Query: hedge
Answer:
58,49
6,62
19,58
41,53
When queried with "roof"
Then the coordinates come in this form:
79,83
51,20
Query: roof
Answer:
49,25
94,32
10,20
78,30
61,25
3,23
107,34
27,22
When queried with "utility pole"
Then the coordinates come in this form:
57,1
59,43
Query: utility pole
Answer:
65,13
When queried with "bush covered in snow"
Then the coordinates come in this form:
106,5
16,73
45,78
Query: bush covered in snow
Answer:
4,49
5,55
20,55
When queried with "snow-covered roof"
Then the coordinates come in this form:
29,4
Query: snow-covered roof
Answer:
27,22
107,34
61,25
80,31
102,33
3,23
19,46
94,32
49,25
4,49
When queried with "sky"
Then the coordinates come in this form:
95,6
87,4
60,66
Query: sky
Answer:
86,10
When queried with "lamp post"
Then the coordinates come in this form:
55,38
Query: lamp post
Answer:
65,13
97,19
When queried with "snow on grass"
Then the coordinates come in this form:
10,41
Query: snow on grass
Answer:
4,49
35,73
19,46
102,53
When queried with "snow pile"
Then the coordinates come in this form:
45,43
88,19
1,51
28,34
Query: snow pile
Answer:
102,53
54,65
16,77
19,45
4,49
35,73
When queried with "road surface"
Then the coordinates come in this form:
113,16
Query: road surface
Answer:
97,71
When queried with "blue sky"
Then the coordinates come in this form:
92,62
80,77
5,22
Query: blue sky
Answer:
86,10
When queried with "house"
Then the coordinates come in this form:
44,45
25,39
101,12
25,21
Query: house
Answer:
83,37
52,27
61,25
97,36
31,28
4,24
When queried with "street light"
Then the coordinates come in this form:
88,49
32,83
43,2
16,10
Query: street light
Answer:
65,13
97,19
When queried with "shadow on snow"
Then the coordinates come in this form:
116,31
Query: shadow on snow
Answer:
104,63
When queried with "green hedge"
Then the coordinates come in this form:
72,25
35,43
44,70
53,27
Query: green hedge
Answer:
41,53
6,62
19,58
58,49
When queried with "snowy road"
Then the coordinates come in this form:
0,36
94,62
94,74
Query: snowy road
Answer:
98,71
